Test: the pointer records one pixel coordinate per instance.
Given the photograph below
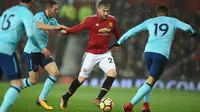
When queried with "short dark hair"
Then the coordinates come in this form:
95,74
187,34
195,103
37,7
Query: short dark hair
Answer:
50,3
104,3
25,1
162,9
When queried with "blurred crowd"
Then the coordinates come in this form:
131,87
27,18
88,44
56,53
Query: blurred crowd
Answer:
184,63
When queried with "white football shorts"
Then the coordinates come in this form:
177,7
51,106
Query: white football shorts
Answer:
106,62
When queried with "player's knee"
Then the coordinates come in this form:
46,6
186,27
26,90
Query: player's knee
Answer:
33,81
20,85
112,73
17,82
55,73
81,79
151,80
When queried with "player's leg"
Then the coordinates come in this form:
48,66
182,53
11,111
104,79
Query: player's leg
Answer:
107,64
31,80
11,69
87,66
53,72
50,66
71,90
156,69
146,105
32,62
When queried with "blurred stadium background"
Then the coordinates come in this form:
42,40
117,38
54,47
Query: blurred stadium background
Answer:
182,72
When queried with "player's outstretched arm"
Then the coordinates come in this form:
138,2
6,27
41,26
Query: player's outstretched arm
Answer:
185,27
131,32
43,26
86,24
128,34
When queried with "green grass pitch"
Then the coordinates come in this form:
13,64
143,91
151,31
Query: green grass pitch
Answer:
161,100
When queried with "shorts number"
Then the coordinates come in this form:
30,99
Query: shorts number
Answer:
110,60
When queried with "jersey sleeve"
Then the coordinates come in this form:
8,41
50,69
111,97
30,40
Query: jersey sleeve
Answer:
84,25
39,18
183,26
115,31
133,31
30,28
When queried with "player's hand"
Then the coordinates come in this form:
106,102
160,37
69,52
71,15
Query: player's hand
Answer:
61,27
192,33
46,53
63,31
115,47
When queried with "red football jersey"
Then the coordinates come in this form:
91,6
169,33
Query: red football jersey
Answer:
99,32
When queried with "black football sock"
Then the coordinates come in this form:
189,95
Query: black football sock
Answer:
106,87
72,89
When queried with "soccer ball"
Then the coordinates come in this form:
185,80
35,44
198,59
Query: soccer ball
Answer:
106,104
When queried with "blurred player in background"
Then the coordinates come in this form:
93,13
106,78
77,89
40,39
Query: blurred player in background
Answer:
100,27
13,23
34,58
161,34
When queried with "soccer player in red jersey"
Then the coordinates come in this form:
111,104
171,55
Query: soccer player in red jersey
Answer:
100,27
